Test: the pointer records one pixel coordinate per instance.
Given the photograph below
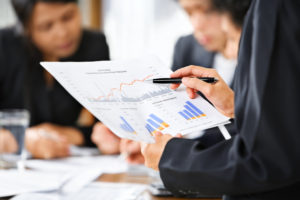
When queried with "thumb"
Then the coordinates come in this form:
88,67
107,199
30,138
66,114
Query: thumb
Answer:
195,83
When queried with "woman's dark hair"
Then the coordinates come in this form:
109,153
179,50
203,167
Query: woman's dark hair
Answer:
237,9
24,8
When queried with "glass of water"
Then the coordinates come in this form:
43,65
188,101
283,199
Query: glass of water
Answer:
13,124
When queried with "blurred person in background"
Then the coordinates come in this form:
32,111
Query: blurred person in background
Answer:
47,30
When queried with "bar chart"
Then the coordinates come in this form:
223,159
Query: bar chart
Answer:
126,126
191,111
154,124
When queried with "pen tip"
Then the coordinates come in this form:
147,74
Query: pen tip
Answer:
149,81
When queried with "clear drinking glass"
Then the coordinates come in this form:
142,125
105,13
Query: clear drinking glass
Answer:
13,124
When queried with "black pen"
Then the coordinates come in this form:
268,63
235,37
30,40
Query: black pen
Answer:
178,80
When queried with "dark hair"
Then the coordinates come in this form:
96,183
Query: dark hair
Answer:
24,8
237,9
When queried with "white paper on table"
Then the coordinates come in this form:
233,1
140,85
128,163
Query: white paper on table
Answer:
79,171
107,164
14,182
97,190
118,94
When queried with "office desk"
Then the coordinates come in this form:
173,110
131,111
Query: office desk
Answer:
125,178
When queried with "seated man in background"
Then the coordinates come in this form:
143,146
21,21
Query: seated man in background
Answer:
47,31
208,47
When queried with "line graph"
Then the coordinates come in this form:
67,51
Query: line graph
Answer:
129,91
111,93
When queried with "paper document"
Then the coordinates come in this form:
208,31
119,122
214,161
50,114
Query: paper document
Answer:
111,191
79,171
14,182
107,164
119,95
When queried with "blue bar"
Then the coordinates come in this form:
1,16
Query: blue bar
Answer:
191,110
153,123
150,129
156,118
195,108
183,115
128,125
188,113
124,127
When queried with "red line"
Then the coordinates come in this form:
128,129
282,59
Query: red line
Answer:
111,93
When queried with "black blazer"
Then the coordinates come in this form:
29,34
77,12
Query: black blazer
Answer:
263,160
22,82
187,52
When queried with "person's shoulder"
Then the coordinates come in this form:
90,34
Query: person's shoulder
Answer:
7,32
92,36
10,41
8,35
93,46
187,39
189,42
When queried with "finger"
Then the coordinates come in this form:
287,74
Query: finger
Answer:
191,71
178,135
174,86
191,92
197,84
136,159
158,136
143,147
158,133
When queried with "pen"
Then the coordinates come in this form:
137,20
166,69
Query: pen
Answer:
178,80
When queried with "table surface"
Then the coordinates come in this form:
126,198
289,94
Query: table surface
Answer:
125,178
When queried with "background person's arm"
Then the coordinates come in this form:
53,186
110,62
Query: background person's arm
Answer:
44,141
106,141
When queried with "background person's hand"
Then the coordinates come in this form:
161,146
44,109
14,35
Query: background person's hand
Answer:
106,141
132,150
44,143
8,143
152,152
219,93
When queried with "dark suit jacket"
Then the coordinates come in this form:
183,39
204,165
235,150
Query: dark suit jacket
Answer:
187,52
22,82
263,160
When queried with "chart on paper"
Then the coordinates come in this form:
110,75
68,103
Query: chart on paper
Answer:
120,95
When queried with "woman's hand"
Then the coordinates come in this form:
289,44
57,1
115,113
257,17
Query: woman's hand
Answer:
219,93
46,143
132,150
106,141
